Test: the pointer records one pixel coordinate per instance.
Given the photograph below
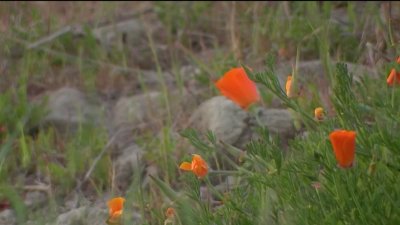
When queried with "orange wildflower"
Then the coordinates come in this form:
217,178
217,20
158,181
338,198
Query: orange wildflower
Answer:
198,166
288,86
115,206
394,77
343,143
170,213
319,113
236,85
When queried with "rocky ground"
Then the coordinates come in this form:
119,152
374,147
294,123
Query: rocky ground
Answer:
125,111
68,108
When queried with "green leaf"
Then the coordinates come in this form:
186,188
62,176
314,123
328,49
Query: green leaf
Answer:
165,188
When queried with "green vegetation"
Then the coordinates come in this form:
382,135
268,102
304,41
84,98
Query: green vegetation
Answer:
273,184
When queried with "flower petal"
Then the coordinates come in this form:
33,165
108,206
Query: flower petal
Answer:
115,217
185,166
200,168
200,171
170,212
288,86
319,113
343,143
391,77
116,204
236,85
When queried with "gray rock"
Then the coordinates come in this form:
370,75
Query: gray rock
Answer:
68,107
128,31
126,164
83,216
35,199
136,109
189,72
151,78
92,215
221,116
147,107
312,71
126,156
130,35
7,217
235,126
278,121
129,114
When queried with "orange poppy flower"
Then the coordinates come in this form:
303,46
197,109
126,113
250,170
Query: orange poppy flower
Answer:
170,213
289,86
394,77
115,206
198,166
343,143
319,113
236,85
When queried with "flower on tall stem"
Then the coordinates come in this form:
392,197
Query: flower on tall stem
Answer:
288,86
198,166
236,86
170,214
343,143
116,207
394,76
319,113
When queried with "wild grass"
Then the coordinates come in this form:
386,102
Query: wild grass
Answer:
302,185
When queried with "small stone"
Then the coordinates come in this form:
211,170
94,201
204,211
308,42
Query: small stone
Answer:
7,217
125,165
34,199
83,215
278,121
68,108
136,109
128,32
221,116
